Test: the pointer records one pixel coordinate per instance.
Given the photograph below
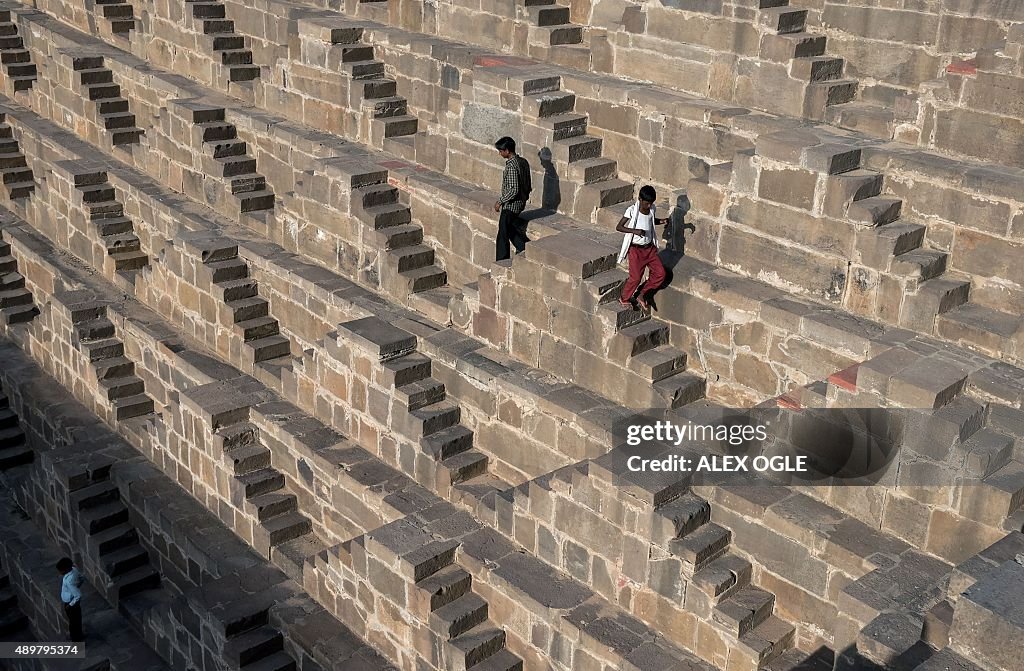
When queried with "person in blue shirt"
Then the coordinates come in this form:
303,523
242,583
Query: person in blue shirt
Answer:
71,596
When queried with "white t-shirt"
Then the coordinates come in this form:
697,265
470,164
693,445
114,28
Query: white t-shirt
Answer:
645,222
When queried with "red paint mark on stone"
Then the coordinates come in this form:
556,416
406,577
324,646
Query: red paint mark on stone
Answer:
845,379
394,165
788,402
963,67
496,61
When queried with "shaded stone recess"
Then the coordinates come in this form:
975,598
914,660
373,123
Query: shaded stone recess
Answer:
263,379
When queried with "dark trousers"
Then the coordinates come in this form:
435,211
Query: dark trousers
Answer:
511,228
74,614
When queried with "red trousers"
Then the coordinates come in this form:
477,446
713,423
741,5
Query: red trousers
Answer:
640,258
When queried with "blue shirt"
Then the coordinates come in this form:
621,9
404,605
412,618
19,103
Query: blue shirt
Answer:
69,587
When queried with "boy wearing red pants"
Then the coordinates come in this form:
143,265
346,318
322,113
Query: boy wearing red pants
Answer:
641,247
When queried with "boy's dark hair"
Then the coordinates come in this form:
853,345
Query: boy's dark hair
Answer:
648,193
506,143
65,565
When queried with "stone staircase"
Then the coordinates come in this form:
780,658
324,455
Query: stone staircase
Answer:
112,540
249,312
260,490
722,593
550,24
445,460
411,264
17,177
471,641
120,14
112,110
785,39
384,118
209,19
115,374
227,161
16,60
14,451
16,303
116,231
554,128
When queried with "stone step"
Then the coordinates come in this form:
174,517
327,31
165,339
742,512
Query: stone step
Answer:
816,68
113,538
12,281
256,201
679,517
980,327
125,560
103,91
228,42
577,148
248,458
368,69
12,176
98,350
258,328
208,10
218,26
18,190
548,104
21,70
125,261
243,73
867,118
12,159
591,170
13,437
637,339
278,661
985,453
253,645
122,387
121,25
12,56
117,11
406,369
237,290
132,406
448,442
875,211
235,57
270,347
458,616
679,389
118,120
933,298
386,107
767,642
114,367
96,75
94,495
700,547
744,610
126,136
564,34
658,364
18,455
820,96
136,580
598,195
418,394
396,237
880,245
432,418
615,316
246,309
399,125
247,183
424,279
920,264
225,148
785,46
474,646
14,298
282,528
112,106
374,195
383,216
121,243
783,20
272,504
441,588
377,87
234,166
259,482
411,258
548,15
562,126
722,577
465,466
8,419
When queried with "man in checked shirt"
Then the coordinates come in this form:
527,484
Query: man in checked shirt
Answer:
515,191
